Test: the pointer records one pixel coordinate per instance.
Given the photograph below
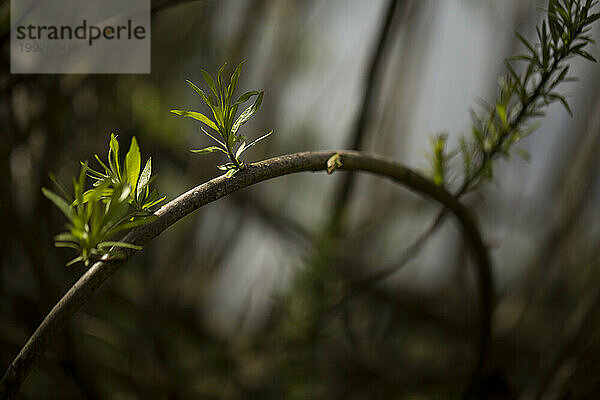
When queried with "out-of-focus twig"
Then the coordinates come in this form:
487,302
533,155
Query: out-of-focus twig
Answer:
371,88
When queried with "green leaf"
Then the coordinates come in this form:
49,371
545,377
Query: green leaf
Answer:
234,79
132,224
240,150
527,44
67,245
197,89
95,174
254,142
592,18
106,169
210,149
213,138
563,13
150,203
75,261
116,210
230,173
65,237
563,101
106,244
586,55
143,181
132,163
220,84
209,102
501,110
197,116
555,29
226,166
78,185
213,103
244,98
59,202
211,83
113,155
524,154
60,187
101,191
247,114
562,76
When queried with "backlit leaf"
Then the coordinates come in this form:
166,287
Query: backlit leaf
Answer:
210,149
247,114
132,163
197,116
144,179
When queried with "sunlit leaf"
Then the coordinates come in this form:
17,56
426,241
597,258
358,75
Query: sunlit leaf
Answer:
144,179
246,96
254,142
197,116
113,155
240,150
119,244
132,163
213,138
247,114
234,79
210,149
210,82
76,260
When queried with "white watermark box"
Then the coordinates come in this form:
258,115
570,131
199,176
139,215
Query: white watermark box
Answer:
80,36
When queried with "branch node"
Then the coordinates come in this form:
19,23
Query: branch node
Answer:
334,162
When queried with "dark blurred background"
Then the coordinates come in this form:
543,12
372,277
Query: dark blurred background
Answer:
252,296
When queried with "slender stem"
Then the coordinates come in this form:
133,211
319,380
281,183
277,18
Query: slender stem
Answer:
219,187
233,159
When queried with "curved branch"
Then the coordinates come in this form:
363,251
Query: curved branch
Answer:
219,187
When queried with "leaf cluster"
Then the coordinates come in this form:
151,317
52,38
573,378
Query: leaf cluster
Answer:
141,197
119,200
226,123
521,97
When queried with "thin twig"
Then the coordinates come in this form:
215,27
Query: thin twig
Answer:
219,187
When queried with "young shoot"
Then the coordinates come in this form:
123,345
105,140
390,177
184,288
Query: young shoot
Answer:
120,199
226,123
141,197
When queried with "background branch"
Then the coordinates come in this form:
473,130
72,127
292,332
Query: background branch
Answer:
358,133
